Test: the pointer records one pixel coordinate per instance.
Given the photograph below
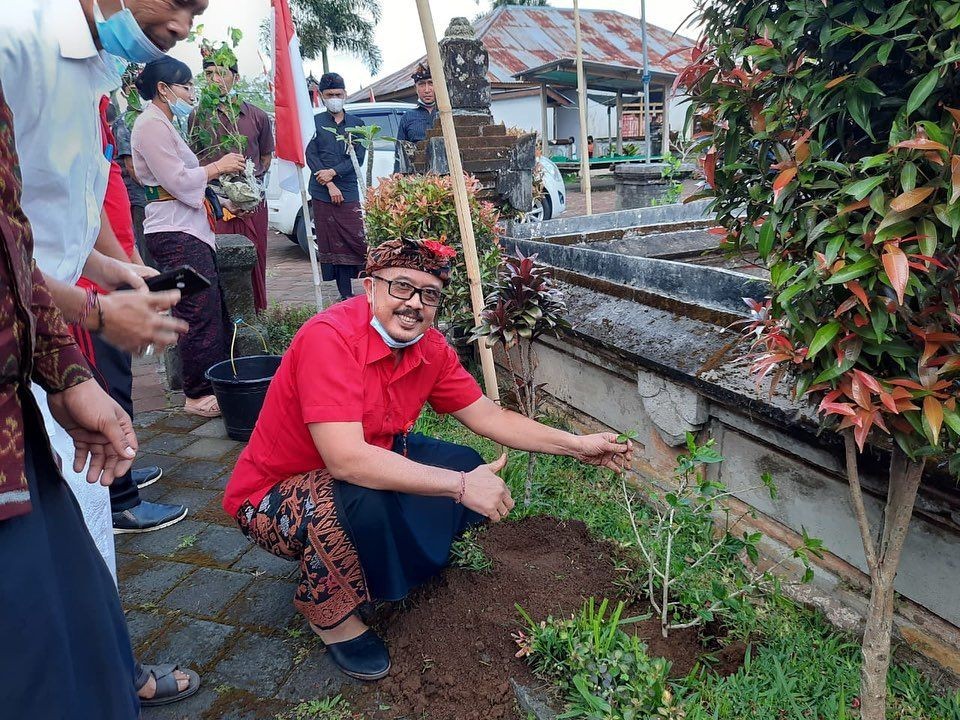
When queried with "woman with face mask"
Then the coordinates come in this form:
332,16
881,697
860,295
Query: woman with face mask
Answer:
176,227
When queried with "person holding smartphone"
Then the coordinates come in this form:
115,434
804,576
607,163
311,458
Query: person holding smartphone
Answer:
178,229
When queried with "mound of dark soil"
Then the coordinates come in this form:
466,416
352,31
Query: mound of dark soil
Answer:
450,644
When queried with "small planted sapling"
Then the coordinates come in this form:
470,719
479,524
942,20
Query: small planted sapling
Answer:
367,136
523,306
694,574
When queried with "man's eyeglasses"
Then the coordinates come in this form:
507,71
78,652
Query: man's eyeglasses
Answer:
402,290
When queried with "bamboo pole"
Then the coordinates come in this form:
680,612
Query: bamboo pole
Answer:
459,189
311,245
582,88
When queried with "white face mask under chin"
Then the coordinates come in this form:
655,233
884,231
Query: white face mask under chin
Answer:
387,338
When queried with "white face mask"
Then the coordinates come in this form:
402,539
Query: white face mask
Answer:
389,340
333,105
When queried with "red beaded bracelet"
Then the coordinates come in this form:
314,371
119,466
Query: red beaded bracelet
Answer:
89,304
463,487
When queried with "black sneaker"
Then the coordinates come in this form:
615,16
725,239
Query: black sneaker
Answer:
147,517
146,476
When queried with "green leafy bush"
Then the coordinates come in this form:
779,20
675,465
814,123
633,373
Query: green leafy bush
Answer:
282,322
603,671
422,206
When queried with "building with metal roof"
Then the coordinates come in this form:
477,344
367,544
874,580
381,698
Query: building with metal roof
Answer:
531,48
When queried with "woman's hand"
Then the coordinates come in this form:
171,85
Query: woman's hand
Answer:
336,196
230,164
485,493
603,450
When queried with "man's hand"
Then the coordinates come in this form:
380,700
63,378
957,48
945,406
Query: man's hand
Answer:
487,494
325,176
110,273
100,429
132,320
336,197
602,449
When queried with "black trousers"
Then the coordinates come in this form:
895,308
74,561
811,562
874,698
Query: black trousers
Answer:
66,652
343,274
114,372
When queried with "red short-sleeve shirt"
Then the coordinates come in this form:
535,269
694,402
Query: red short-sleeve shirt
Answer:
338,369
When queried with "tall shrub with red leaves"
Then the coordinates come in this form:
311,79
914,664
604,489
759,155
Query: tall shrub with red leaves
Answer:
830,138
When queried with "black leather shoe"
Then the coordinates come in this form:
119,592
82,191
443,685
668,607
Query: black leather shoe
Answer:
364,658
147,517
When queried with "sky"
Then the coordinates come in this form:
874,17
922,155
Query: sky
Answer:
398,35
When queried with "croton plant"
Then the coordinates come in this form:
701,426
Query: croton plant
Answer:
830,137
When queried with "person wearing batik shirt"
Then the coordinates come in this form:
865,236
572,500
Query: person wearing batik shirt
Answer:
333,477
66,652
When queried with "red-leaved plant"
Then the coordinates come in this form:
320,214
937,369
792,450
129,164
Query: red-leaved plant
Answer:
523,306
830,135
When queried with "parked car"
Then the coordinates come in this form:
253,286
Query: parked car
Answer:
286,208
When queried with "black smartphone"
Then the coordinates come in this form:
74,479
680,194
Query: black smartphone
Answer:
184,278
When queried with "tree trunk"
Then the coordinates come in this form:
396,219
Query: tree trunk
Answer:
528,486
883,560
326,60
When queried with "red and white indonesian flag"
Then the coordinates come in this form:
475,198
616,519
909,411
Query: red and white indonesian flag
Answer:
294,113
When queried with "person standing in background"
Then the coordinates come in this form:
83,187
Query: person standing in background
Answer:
341,242
177,228
254,125
416,122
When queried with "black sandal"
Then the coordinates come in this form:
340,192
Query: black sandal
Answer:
167,688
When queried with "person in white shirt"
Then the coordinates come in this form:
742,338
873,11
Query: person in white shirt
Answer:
57,59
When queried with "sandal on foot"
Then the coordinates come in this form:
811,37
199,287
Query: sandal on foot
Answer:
206,407
364,658
167,688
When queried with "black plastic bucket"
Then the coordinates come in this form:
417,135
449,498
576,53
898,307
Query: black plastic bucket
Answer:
241,395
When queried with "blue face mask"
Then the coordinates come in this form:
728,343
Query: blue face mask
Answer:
388,340
121,35
181,108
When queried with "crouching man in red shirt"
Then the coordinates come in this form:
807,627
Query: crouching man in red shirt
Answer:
333,478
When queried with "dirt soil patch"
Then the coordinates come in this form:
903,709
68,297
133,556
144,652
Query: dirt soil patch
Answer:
450,643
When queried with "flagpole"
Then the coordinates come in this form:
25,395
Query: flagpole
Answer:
311,245
460,198
585,183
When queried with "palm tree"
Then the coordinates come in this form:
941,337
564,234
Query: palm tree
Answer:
345,25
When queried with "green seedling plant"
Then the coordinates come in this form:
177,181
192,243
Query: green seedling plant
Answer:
214,126
466,554
367,136
523,306
693,570
603,670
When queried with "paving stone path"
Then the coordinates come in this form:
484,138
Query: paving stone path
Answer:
201,594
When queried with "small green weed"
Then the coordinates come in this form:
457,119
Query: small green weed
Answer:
186,541
332,708
466,553
282,322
